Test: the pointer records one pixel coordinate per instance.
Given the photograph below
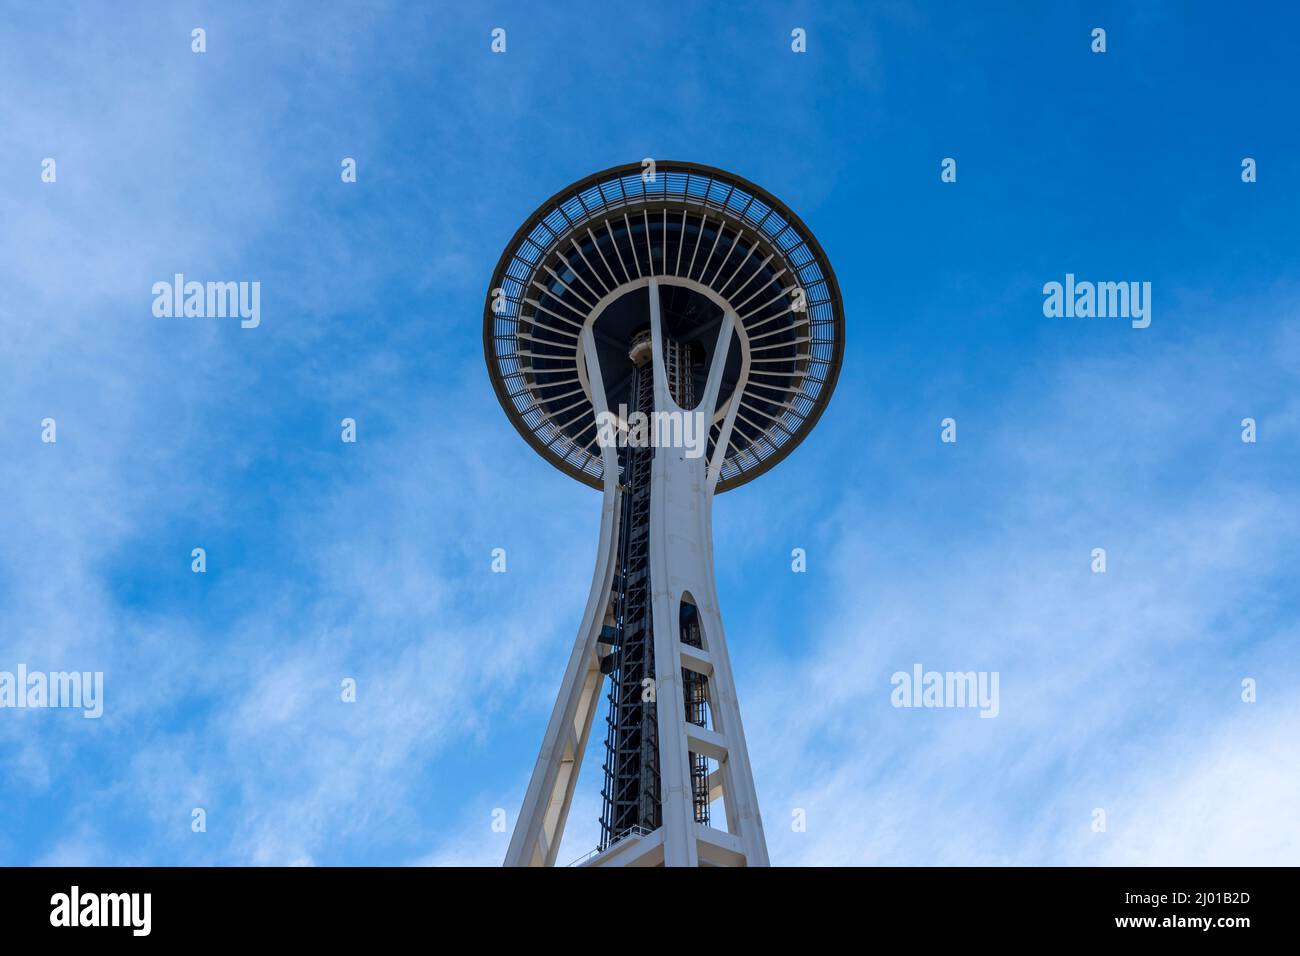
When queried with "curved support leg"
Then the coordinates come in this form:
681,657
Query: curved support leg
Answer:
537,833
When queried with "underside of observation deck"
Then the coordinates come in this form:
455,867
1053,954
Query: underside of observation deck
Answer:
714,241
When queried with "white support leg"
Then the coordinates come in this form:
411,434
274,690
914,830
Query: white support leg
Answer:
681,562
536,837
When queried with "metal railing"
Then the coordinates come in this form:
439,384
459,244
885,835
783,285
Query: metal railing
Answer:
629,832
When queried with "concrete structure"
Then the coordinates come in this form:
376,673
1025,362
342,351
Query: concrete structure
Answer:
687,295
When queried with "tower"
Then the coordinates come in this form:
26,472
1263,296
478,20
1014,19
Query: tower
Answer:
661,332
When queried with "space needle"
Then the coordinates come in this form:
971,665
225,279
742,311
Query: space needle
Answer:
667,289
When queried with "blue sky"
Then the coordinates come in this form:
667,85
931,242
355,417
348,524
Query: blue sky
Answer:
1119,691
